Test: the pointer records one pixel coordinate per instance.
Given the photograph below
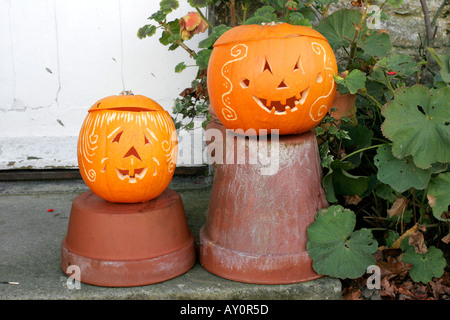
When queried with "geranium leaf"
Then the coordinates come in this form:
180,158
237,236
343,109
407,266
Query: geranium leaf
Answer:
168,6
339,26
335,249
425,266
180,67
354,81
439,194
399,63
216,32
376,44
199,3
416,121
400,174
203,58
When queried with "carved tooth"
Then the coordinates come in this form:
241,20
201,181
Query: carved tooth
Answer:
283,101
288,109
298,96
304,96
268,102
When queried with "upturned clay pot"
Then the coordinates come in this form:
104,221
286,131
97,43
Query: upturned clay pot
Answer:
118,245
345,105
256,223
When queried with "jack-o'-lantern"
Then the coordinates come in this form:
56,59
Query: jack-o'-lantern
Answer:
274,76
127,149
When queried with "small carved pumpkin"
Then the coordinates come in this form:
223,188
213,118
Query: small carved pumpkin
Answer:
127,149
277,76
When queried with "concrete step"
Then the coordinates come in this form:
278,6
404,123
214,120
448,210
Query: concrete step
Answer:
33,221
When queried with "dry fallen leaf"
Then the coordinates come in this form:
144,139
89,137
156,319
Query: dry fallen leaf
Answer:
398,207
387,289
408,232
416,240
352,199
351,293
446,239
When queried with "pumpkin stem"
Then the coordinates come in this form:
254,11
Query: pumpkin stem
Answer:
273,23
127,93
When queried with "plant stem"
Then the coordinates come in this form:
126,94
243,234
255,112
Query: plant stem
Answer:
363,149
355,38
233,13
388,83
426,16
203,17
438,12
245,9
367,95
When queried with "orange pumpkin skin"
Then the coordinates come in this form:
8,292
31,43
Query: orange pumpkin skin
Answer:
127,149
271,77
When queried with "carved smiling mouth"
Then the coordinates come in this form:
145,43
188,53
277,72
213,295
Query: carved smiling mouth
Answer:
132,174
283,106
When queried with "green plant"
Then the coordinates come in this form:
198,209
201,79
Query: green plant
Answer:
387,172
175,33
392,166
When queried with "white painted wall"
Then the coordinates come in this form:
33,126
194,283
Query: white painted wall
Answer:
58,57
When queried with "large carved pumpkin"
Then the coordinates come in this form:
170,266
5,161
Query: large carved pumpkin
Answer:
277,76
127,149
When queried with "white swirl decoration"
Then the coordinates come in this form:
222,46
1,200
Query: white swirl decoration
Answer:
238,52
318,109
88,145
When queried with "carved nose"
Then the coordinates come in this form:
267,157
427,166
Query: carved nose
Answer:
132,152
282,85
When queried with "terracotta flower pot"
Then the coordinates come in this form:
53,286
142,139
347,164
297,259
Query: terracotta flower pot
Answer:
119,245
256,224
345,105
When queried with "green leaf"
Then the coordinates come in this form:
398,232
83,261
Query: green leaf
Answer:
360,137
402,64
339,26
263,14
400,174
425,266
439,194
199,3
443,61
158,16
354,81
377,44
202,59
416,121
297,18
337,250
395,3
216,32
180,67
146,31
167,37
386,192
167,6
339,182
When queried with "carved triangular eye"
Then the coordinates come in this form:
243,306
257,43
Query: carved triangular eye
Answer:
146,140
117,137
298,66
267,66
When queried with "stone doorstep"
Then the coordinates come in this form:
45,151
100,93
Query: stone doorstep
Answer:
30,245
